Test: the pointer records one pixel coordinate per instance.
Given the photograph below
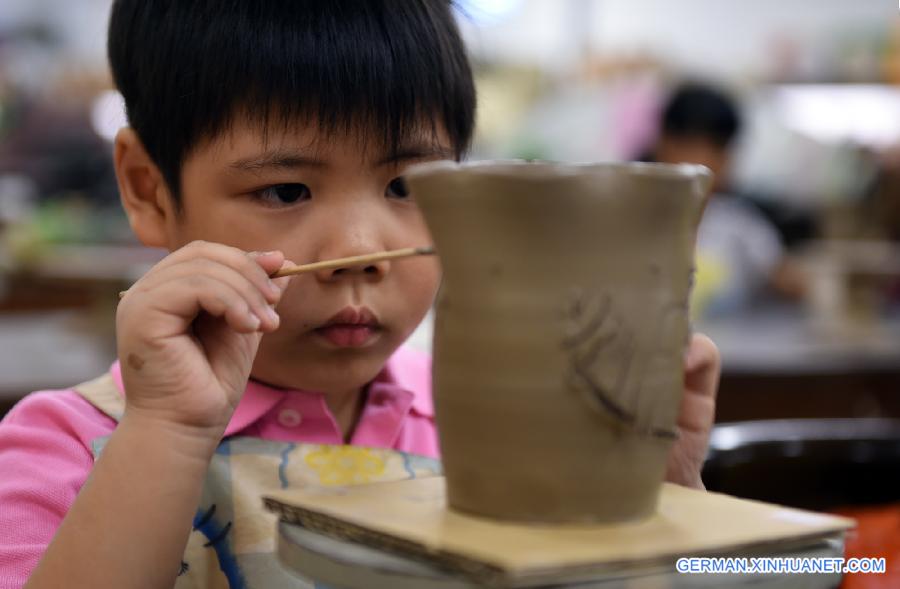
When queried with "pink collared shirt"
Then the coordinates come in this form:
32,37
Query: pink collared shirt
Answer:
46,455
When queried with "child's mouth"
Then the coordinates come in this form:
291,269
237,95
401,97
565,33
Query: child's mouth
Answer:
351,328
347,336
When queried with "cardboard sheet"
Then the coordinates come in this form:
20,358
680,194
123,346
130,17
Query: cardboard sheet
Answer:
409,518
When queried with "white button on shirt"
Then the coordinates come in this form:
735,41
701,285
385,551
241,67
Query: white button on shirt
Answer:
289,418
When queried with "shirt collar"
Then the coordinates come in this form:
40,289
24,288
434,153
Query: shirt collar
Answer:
410,370
407,372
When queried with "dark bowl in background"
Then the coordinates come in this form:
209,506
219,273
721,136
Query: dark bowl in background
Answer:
817,464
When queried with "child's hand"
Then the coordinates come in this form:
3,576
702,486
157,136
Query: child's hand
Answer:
188,332
697,413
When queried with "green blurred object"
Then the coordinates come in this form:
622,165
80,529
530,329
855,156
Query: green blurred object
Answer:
65,221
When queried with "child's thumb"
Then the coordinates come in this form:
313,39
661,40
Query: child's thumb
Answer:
268,261
284,280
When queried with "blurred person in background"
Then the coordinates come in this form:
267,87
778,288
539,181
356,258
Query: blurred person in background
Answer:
740,256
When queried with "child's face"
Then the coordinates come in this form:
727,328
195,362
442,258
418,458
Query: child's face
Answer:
316,199
696,150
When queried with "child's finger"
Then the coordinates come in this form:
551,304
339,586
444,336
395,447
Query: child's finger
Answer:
697,411
283,282
260,303
241,261
230,305
215,297
270,262
188,272
702,366
701,378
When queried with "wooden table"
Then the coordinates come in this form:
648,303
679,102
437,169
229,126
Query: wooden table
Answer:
780,364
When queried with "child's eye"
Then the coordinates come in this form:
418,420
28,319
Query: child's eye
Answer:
283,194
397,188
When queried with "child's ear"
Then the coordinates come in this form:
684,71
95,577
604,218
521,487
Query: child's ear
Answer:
143,190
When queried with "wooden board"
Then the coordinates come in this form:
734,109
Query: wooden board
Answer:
410,518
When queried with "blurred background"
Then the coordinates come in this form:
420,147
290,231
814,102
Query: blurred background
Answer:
794,103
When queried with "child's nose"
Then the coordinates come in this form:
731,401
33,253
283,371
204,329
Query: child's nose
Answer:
371,271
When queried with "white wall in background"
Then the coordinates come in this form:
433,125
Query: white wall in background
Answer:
715,37
529,32
728,36
708,36
80,24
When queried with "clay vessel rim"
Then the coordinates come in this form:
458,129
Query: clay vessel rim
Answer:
514,167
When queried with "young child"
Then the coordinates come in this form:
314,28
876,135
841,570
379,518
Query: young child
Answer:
740,256
279,128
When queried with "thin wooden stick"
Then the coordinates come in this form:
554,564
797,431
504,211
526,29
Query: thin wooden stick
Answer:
351,261
355,261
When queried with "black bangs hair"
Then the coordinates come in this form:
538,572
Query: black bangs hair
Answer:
695,109
379,69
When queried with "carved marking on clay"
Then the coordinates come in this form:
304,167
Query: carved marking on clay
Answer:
590,330
594,331
585,317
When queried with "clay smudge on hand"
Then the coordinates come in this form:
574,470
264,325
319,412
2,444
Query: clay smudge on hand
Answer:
135,361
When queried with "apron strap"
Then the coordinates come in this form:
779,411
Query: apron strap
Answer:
103,394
